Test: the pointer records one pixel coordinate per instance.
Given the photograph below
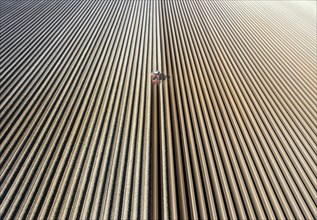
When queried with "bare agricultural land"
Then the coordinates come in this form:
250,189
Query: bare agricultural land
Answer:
158,109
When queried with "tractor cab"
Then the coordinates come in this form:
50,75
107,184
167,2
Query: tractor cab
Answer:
157,77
